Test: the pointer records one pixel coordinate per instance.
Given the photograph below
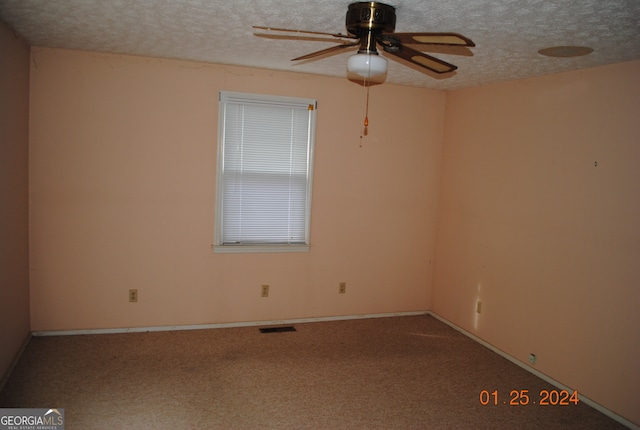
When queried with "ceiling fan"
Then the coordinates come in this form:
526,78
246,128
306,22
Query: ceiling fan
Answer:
372,23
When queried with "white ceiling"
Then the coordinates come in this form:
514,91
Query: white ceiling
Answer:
508,33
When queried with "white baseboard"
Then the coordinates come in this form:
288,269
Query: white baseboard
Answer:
221,325
537,373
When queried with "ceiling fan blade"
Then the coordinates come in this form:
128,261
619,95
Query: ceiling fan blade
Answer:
296,37
287,30
331,50
451,39
423,60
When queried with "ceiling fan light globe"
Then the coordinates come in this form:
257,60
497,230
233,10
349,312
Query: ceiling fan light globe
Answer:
367,65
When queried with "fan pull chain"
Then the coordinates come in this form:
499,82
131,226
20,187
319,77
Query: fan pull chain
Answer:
366,109
365,130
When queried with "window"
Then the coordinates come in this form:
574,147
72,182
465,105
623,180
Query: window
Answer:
264,174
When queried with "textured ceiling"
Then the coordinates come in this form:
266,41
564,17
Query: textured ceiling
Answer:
508,33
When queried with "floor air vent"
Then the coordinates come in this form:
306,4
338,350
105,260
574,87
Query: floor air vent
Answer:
277,329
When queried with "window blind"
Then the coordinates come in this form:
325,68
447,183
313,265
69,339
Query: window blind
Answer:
266,152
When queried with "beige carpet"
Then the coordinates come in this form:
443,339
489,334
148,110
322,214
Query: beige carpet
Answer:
385,373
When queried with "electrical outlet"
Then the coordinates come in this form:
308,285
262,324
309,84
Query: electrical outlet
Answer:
342,288
479,307
532,358
133,295
265,291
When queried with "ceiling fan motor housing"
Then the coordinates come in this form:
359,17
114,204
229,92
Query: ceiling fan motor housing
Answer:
366,17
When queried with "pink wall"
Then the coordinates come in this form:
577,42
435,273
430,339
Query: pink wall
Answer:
122,196
14,251
545,239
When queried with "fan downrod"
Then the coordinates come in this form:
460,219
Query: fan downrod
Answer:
367,20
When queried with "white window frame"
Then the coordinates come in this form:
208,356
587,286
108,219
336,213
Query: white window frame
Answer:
264,100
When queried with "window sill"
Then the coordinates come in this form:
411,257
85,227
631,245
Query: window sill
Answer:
246,249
